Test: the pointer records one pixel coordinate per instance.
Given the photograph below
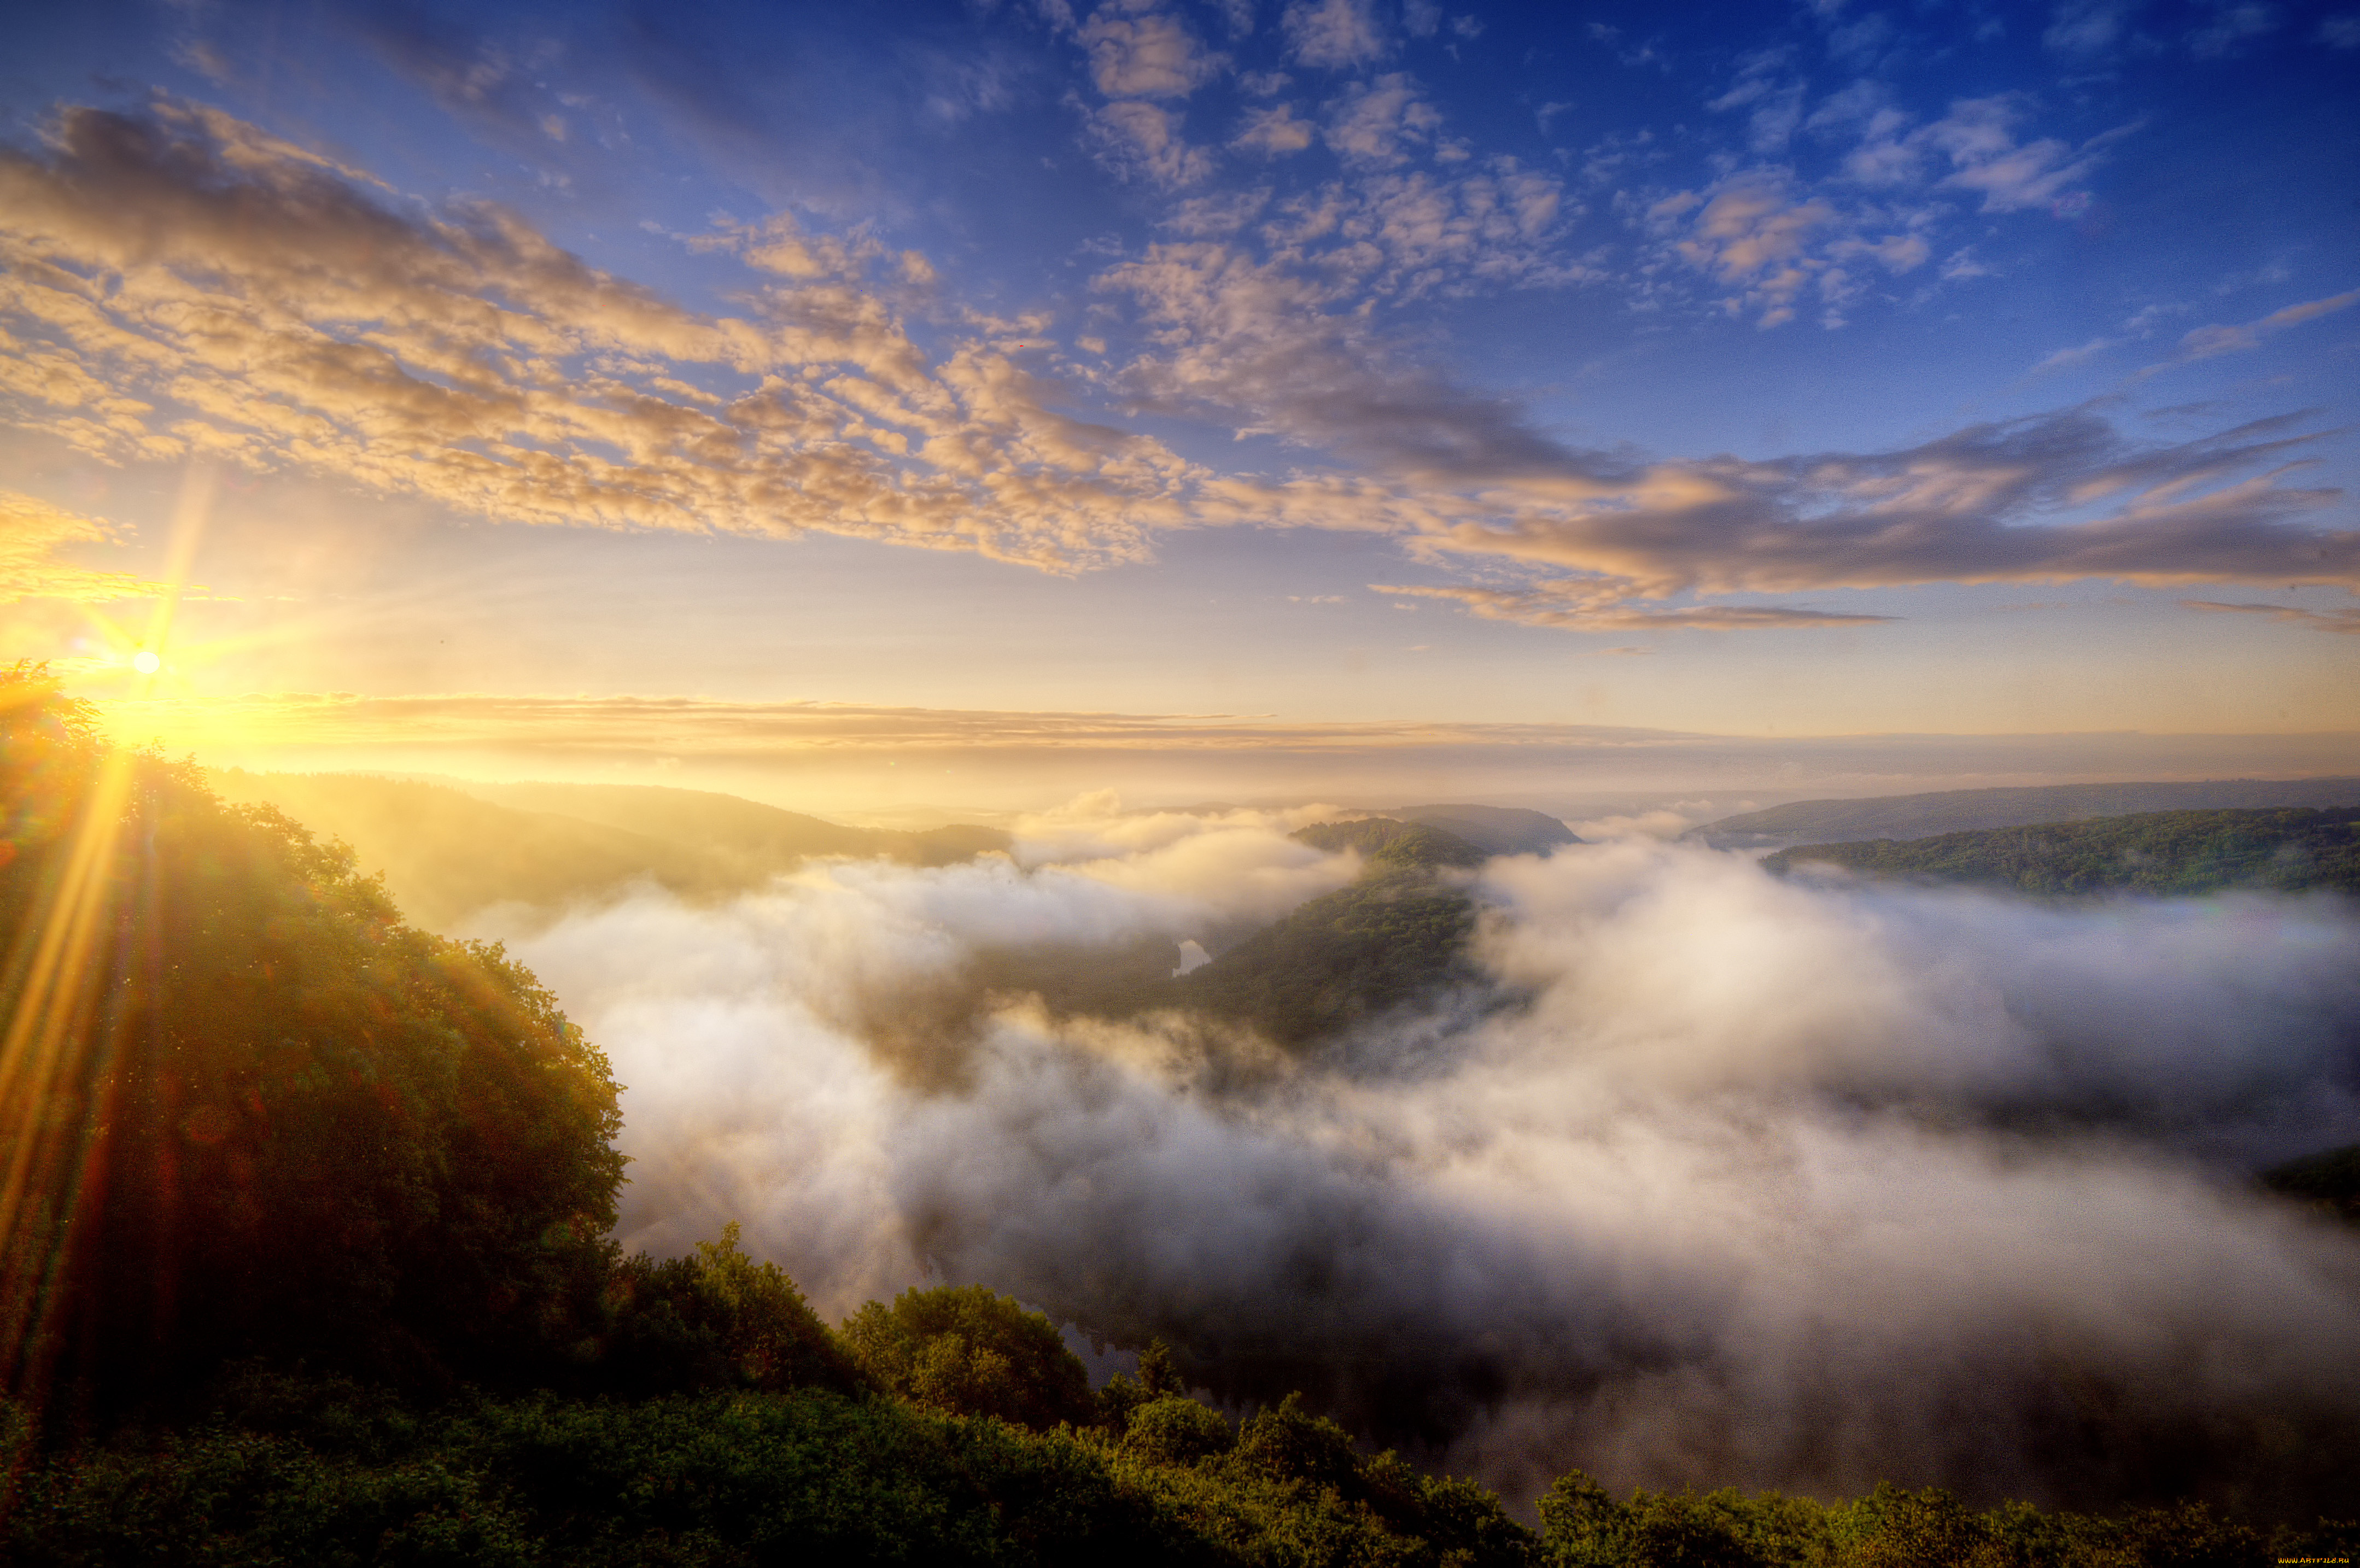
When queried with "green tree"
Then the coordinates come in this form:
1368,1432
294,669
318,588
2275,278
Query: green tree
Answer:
966,1349
712,1321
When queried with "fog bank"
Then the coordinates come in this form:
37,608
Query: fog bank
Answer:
1755,1182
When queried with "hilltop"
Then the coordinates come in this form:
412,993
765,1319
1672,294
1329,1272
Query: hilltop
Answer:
1495,830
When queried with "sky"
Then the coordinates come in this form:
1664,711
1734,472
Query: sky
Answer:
865,407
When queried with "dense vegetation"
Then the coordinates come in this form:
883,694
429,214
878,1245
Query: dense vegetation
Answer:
2155,851
242,1104
1967,810
305,1262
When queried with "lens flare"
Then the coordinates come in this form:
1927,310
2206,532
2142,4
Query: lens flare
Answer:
146,662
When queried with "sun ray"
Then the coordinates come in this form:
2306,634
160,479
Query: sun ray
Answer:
56,974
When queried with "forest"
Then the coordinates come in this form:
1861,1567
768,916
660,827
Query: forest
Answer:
2288,850
307,1256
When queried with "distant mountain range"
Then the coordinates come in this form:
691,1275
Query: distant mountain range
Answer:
1964,811
449,851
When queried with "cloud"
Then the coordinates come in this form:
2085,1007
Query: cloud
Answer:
1150,56
1978,136
1757,234
2344,621
2232,23
1376,122
1774,99
1972,507
1143,139
32,532
1332,35
2064,358
544,731
2206,342
1273,132
1259,344
179,284
2088,27
1754,1176
1585,606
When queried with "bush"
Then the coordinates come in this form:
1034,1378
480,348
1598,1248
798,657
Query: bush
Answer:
715,1321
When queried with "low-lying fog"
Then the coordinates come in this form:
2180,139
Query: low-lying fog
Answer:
1771,1183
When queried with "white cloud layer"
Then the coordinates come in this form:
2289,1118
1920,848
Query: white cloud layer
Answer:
1764,1173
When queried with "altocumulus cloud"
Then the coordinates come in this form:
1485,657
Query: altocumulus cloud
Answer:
179,283
278,309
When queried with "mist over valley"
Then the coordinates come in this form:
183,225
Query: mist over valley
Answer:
1620,1153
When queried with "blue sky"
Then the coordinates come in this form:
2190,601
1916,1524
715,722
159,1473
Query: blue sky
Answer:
1817,369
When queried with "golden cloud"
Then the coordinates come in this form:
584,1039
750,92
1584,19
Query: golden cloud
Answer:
31,533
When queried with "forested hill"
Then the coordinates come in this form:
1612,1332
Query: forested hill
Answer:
1965,811
1395,937
1495,830
450,849
2152,852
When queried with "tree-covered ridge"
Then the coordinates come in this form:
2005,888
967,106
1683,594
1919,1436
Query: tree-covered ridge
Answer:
2287,850
1386,843
1395,936
1495,830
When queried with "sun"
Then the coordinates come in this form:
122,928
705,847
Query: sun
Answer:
145,661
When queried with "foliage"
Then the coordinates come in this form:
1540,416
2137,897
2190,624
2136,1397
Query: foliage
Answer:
276,1119
1174,1429
1583,1526
2158,852
964,1348
717,1320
